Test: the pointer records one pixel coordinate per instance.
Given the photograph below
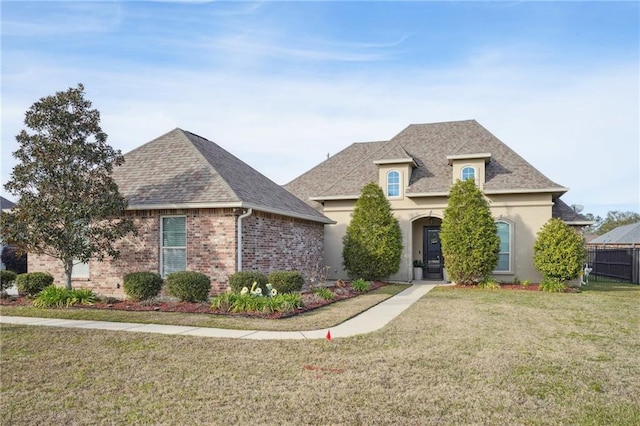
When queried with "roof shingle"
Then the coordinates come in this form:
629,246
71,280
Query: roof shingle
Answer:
429,144
181,168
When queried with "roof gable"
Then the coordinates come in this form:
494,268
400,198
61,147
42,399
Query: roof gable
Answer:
429,145
182,169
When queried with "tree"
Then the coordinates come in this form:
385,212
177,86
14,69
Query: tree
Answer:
559,252
372,245
469,235
69,207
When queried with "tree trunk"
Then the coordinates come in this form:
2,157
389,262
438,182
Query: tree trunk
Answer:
68,269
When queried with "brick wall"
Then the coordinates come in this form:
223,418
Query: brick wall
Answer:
271,242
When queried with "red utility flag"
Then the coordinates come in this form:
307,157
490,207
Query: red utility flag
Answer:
329,335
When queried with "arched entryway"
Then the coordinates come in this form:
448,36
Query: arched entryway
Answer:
426,246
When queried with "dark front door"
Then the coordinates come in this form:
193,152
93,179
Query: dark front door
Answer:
432,253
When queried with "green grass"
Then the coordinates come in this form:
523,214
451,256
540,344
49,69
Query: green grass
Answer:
457,356
324,317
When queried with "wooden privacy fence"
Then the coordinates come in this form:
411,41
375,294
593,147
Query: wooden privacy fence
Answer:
615,263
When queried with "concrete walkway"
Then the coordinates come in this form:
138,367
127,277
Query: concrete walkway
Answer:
370,320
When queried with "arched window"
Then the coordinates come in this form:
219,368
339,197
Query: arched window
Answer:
468,173
504,255
393,184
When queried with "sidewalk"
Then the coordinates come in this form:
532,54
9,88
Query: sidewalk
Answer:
366,322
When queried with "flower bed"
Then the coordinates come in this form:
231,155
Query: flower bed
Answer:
309,299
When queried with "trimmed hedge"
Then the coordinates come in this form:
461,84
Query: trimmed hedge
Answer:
286,281
246,279
33,283
142,285
188,286
6,279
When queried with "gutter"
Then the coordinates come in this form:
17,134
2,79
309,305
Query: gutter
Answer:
242,216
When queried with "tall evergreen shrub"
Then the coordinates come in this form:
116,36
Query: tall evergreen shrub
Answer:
469,235
372,245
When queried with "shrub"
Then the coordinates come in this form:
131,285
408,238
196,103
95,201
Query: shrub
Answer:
372,245
361,285
142,285
33,283
552,285
286,281
526,283
246,279
60,297
324,293
559,252
516,280
189,286
469,235
14,260
489,284
6,279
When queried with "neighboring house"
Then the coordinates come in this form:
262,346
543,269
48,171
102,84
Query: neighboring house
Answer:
416,169
625,236
199,208
4,205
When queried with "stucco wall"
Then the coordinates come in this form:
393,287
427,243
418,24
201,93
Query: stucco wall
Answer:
526,212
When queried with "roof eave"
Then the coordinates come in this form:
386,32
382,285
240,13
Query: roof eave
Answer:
579,222
397,161
428,194
558,190
334,198
231,205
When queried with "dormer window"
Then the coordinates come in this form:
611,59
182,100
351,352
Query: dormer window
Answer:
468,173
393,184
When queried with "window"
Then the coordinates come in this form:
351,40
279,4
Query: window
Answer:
393,184
468,173
504,255
173,244
80,270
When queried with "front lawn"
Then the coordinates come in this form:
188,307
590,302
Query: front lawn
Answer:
457,356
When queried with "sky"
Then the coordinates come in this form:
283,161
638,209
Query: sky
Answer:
281,85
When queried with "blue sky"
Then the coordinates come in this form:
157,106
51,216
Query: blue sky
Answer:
282,84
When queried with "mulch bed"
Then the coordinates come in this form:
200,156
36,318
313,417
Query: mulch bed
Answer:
342,292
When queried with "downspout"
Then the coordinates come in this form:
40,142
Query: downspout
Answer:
242,216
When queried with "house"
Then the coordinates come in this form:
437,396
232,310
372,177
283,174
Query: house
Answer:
624,236
197,207
416,169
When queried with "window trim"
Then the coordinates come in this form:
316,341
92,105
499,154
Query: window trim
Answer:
510,225
475,173
162,247
399,184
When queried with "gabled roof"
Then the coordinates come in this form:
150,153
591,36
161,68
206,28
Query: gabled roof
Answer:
568,215
625,234
182,170
6,204
429,145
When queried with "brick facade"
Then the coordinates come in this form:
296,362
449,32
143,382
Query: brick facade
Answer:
271,242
